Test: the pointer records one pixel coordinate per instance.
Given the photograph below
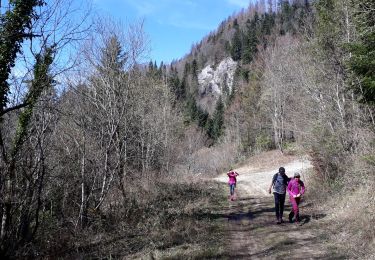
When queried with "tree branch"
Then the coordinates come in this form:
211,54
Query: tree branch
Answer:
7,110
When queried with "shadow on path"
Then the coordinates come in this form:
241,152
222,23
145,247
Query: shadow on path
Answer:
254,234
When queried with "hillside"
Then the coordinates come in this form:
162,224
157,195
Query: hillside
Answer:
302,79
104,156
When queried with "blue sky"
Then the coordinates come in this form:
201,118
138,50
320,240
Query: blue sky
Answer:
172,25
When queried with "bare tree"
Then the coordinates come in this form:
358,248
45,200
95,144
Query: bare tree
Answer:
24,148
118,120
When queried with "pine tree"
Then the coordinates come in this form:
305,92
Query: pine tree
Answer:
112,58
174,81
181,89
202,117
236,47
363,51
284,16
251,39
329,31
218,120
268,21
194,68
192,109
161,71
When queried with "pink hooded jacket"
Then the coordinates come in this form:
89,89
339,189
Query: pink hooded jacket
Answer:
295,186
232,177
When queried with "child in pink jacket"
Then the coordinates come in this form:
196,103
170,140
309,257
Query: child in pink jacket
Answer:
296,188
232,182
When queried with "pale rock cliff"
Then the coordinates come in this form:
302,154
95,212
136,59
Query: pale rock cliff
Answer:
215,82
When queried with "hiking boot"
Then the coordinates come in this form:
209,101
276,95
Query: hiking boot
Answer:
291,215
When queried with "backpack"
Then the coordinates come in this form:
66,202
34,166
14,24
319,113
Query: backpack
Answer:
285,177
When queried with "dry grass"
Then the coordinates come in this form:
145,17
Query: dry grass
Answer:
350,211
208,162
166,220
268,160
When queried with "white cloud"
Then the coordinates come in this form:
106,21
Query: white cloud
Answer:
144,7
180,23
147,7
240,3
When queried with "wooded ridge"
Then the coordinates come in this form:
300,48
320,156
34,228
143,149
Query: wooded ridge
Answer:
102,154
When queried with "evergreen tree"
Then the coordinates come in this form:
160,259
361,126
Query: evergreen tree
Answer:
202,117
209,128
251,39
150,66
187,69
268,21
155,66
227,48
194,68
195,113
191,108
286,17
363,51
181,89
329,30
174,81
236,47
235,24
218,120
161,71
112,58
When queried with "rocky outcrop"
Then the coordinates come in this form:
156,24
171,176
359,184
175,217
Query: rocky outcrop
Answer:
215,82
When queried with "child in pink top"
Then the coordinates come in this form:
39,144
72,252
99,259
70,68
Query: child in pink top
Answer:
232,182
296,188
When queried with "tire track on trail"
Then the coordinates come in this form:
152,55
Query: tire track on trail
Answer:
252,232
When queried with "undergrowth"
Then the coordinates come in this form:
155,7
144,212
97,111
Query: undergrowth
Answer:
349,203
168,220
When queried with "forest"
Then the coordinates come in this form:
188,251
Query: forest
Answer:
102,153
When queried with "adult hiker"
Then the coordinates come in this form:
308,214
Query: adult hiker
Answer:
279,183
296,188
232,182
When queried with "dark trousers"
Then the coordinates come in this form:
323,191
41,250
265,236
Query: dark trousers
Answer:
279,204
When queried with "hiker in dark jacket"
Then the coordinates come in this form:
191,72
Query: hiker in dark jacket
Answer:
279,183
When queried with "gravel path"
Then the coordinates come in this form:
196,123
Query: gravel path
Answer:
252,231
256,183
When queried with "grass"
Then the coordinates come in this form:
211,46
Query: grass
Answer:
171,221
197,232
350,209
189,220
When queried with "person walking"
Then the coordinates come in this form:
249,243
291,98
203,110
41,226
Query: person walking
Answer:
296,188
279,183
232,182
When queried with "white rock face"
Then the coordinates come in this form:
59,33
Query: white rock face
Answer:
213,82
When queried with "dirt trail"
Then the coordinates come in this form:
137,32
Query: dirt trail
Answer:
256,183
252,229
